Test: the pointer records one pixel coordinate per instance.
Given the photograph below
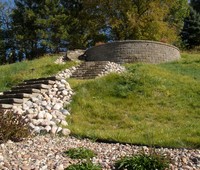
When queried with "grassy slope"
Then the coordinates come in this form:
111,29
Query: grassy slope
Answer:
14,73
150,104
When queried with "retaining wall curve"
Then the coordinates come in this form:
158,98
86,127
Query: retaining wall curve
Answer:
133,51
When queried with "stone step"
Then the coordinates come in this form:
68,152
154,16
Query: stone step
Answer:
89,70
25,90
18,95
6,106
47,82
53,78
35,86
80,75
11,101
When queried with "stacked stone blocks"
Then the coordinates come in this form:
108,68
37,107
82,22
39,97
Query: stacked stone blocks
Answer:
133,51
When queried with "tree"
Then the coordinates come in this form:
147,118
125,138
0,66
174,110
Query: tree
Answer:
25,27
2,39
6,34
191,30
195,5
87,23
144,19
54,24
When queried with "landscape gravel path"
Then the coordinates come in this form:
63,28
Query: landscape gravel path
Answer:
46,153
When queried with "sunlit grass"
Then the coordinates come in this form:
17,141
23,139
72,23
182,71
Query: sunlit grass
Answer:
12,74
150,104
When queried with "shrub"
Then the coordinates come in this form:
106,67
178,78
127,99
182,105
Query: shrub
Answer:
80,153
12,127
142,162
83,166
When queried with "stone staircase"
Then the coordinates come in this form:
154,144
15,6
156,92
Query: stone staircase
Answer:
24,91
89,70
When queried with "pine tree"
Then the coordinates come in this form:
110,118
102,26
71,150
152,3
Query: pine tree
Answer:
195,5
6,34
191,30
87,23
25,27
54,24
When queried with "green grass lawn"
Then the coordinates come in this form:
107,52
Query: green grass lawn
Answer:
12,74
149,104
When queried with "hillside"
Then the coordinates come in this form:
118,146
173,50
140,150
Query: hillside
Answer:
12,74
149,104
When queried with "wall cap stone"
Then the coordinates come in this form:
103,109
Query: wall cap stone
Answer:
135,41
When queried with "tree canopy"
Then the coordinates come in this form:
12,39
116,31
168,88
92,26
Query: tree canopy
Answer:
191,30
41,26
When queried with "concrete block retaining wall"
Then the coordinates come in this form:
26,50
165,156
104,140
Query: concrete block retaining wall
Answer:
133,51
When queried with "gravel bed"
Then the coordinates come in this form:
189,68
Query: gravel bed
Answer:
46,152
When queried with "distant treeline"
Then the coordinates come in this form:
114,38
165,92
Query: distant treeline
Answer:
31,28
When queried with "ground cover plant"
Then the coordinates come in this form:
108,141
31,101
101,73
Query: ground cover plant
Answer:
149,104
83,154
13,127
80,153
12,74
83,166
142,162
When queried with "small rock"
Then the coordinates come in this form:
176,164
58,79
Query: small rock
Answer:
54,129
41,115
48,128
57,106
65,112
48,116
65,92
64,123
60,167
63,81
44,103
66,132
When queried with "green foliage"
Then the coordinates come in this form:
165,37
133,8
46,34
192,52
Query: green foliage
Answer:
145,19
142,162
24,17
83,166
6,34
195,5
54,24
33,28
13,127
158,100
80,153
191,30
13,74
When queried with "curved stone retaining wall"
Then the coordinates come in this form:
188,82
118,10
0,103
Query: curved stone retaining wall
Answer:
133,51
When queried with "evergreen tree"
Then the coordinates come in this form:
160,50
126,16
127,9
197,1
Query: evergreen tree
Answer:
25,27
6,34
195,5
87,23
54,25
191,30
2,39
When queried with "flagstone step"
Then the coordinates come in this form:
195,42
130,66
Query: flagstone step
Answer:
27,90
47,82
11,100
89,70
34,86
18,95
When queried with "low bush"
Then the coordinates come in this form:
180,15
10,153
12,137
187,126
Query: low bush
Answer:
80,153
83,166
12,127
142,162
